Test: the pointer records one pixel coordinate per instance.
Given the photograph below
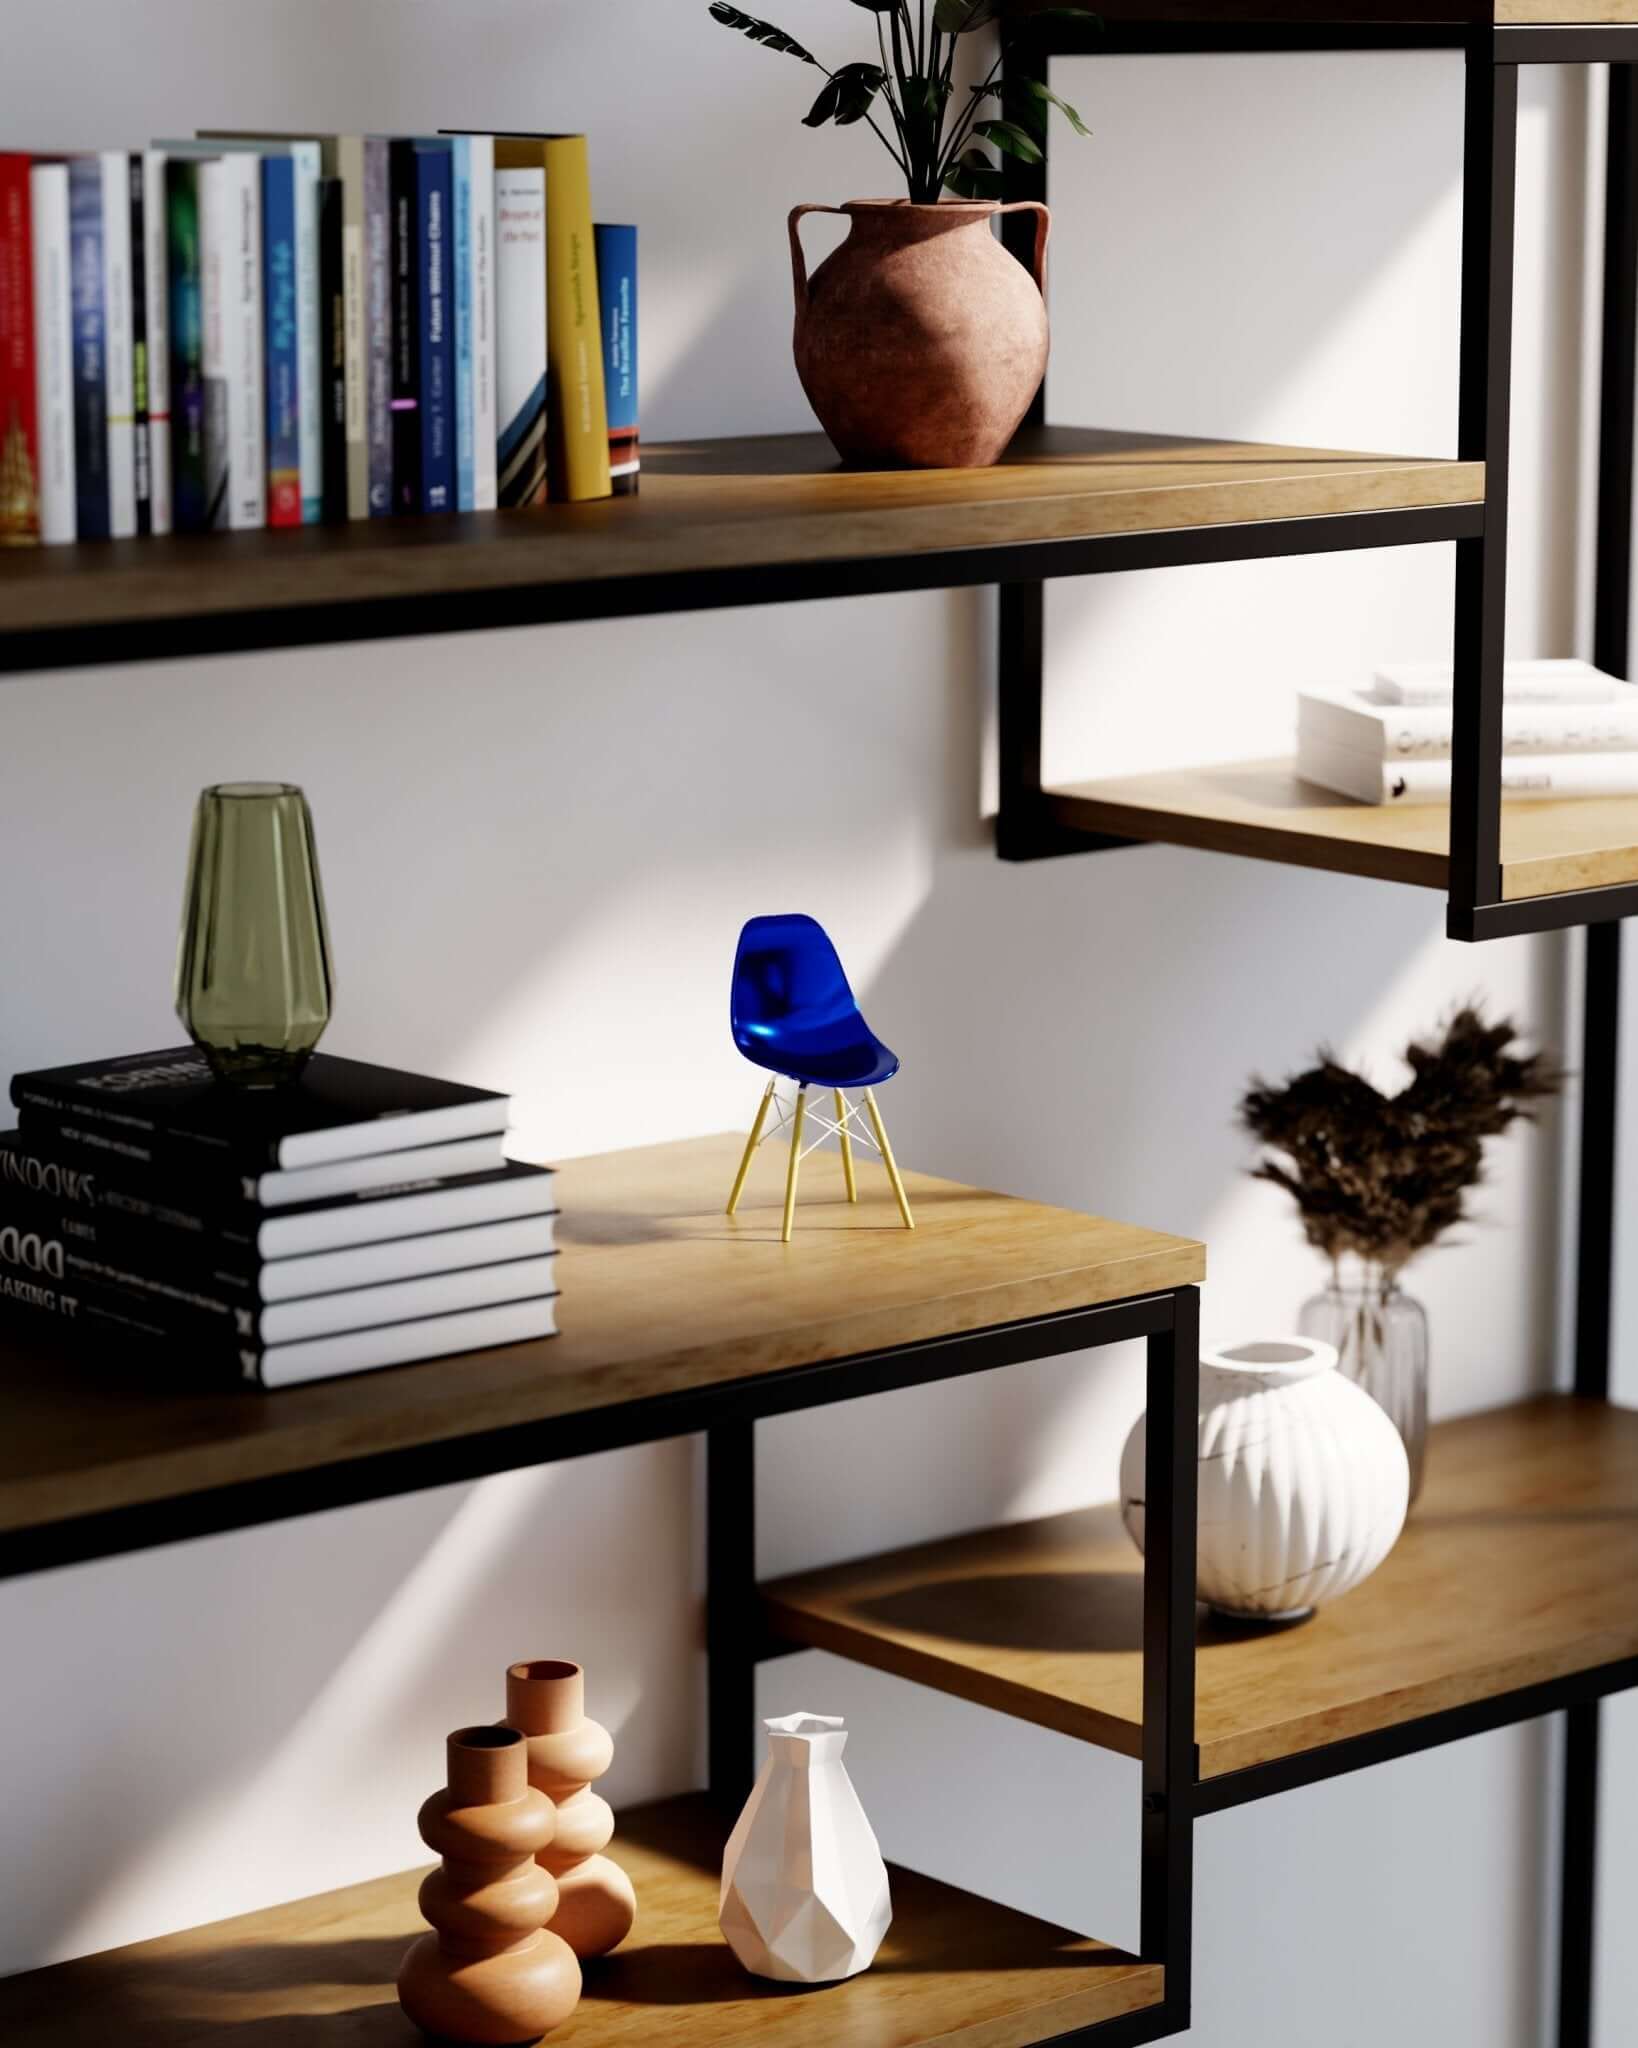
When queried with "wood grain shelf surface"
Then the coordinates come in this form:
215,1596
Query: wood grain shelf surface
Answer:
661,1293
710,506
1216,14
954,1970
1262,809
1518,1566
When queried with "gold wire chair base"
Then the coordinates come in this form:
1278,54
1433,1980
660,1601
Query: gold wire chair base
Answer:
844,1127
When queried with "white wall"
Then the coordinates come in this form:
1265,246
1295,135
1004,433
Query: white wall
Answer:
538,847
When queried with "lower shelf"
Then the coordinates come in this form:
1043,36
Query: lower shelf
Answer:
319,1973
1263,810
1516,1568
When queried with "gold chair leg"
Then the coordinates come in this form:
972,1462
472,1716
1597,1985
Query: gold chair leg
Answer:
751,1144
796,1161
847,1147
888,1160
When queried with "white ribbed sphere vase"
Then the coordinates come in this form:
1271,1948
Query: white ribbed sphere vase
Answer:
1304,1482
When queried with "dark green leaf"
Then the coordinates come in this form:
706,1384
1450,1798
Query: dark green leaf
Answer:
955,17
974,177
1048,97
760,31
824,107
924,97
1014,140
878,6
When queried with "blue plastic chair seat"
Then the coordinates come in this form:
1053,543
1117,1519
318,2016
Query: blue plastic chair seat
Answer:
793,1013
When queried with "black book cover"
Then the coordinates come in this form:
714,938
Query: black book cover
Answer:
190,501
333,349
406,330
168,1103
142,454
124,1216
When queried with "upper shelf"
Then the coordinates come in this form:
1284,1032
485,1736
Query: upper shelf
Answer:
1517,1567
750,521
667,1305
1069,36
1263,810
954,1971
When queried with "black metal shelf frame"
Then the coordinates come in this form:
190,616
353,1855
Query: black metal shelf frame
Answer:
1027,829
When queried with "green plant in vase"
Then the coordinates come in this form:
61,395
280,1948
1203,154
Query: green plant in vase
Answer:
920,341
1379,1179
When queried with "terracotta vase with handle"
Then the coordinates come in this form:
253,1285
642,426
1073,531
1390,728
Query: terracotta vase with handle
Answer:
921,340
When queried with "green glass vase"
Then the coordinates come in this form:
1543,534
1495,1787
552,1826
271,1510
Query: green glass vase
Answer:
253,975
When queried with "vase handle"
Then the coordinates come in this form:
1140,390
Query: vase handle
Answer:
1043,228
799,265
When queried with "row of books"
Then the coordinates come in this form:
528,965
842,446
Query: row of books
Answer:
357,1217
246,331
1568,730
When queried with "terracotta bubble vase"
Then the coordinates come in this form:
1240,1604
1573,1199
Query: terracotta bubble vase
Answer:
546,1703
490,1973
921,341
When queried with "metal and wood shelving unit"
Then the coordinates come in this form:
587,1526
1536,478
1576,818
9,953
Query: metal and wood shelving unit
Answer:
1509,1595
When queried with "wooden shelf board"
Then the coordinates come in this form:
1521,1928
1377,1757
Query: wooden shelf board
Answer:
1380,13
954,1969
661,1293
1517,1566
718,505
1262,809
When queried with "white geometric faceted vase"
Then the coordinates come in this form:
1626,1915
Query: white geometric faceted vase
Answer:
1304,1482
804,1888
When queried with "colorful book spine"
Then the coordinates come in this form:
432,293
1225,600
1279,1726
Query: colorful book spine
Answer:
116,322
213,268
617,290
475,321
574,352
191,475
92,513
19,398
157,323
435,294
520,335
406,333
305,171
378,324
141,442
333,340
282,360
350,168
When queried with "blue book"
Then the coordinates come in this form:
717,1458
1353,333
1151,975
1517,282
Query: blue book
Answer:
282,343
617,301
435,272
92,508
465,446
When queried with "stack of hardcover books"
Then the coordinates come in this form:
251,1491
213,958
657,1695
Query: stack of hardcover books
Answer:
1567,731
357,1217
245,331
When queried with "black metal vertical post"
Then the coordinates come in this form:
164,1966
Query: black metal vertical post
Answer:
1601,1004
1019,696
1489,152
1023,57
1171,1493
731,1612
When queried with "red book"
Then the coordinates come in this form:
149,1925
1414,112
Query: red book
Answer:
19,428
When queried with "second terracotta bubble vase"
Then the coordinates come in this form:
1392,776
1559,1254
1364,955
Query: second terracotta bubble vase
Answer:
546,1702
490,1973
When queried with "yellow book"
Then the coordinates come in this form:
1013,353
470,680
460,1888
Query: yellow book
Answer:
577,409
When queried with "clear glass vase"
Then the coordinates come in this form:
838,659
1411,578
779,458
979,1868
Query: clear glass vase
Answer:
1381,1336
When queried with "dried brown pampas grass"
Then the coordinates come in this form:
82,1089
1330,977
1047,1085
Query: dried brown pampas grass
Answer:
1386,1176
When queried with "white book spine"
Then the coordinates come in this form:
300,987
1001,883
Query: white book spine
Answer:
1390,733
1523,682
157,304
116,303
520,335
1545,777
53,349
243,342
306,162
484,424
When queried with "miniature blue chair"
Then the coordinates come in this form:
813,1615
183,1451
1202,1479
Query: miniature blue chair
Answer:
793,1013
